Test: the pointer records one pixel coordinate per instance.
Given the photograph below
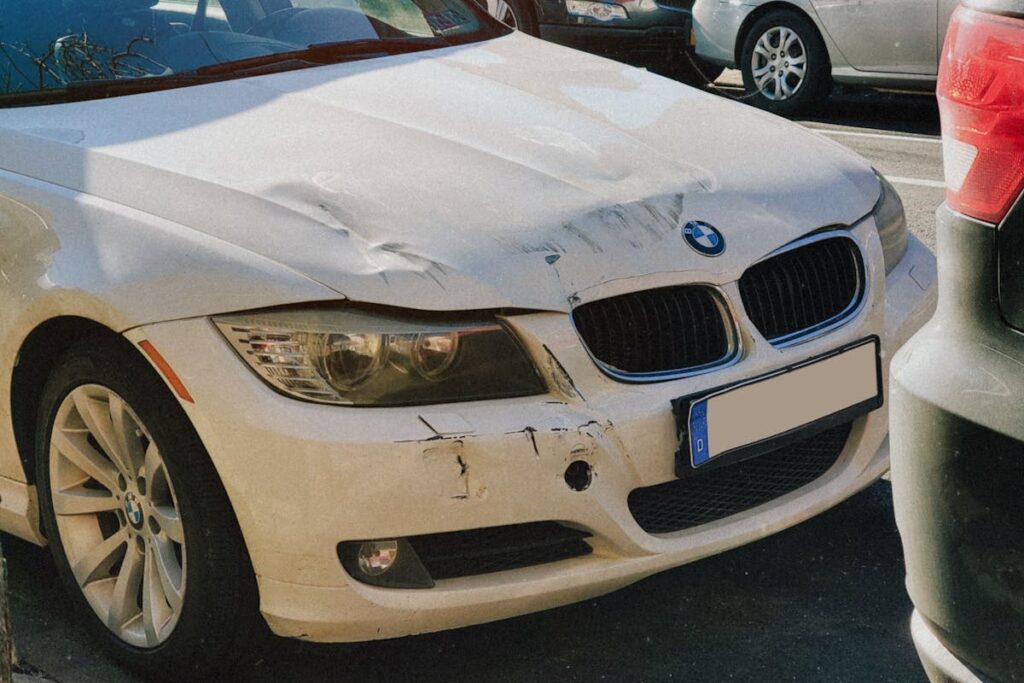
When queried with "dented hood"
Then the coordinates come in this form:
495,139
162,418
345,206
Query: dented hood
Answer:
511,173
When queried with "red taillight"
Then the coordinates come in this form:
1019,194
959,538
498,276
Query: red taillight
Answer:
981,101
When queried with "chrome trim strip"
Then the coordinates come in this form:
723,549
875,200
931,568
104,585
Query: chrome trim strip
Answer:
732,356
851,311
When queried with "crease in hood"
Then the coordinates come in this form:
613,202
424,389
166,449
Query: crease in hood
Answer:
511,173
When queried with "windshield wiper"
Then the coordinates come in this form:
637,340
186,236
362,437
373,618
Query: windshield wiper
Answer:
324,53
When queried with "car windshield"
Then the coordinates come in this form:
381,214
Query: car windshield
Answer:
53,50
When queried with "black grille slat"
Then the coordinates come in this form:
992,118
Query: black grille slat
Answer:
705,497
803,289
456,554
656,331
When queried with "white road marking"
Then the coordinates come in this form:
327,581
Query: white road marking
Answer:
920,182
879,136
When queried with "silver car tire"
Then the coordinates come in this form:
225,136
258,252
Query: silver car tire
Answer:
785,64
123,483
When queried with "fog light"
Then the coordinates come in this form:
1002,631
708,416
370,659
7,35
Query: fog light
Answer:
389,563
376,557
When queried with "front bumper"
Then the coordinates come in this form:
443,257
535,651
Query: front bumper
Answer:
716,29
304,477
941,665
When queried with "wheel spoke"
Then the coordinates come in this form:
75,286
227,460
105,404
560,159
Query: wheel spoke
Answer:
83,502
762,48
787,39
152,597
169,521
96,416
778,88
169,572
96,563
787,89
86,458
126,435
761,71
762,82
797,71
124,602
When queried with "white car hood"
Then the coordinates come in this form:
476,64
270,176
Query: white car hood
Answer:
511,173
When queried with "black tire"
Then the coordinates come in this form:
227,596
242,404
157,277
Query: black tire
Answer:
817,79
219,617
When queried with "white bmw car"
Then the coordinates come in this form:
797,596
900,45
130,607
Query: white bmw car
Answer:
367,319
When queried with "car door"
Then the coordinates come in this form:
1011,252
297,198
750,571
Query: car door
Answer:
896,36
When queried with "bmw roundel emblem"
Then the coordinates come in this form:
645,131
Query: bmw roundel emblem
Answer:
133,510
704,238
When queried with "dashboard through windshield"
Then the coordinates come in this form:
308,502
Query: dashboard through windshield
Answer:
52,50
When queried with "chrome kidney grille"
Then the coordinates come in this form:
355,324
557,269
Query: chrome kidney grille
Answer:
658,333
811,287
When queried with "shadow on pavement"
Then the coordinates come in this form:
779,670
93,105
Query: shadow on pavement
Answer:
915,114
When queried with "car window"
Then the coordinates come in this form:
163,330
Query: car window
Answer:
54,44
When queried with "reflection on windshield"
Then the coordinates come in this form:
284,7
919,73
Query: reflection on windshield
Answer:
53,44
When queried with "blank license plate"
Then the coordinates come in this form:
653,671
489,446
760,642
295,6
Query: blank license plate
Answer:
763,409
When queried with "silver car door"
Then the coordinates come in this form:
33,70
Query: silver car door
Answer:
897,36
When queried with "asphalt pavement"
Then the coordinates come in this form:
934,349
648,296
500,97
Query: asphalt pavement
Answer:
823,601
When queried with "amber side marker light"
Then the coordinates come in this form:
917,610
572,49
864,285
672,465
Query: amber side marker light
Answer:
165,369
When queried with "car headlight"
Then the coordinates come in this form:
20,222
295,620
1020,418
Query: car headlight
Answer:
892,224
353,357
602,11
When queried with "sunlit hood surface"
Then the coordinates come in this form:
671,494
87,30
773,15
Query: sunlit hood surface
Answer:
508,173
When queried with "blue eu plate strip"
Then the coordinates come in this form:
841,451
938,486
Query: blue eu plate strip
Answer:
699,452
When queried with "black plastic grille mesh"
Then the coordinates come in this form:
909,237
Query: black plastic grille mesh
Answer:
656,330
708,496
494,549
803,288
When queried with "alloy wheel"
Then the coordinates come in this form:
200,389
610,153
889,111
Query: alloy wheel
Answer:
779,63
117,516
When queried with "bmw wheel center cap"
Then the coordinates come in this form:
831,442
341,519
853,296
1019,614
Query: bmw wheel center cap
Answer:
704,238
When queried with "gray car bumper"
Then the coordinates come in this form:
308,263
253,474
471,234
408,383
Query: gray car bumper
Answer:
716,27
941,665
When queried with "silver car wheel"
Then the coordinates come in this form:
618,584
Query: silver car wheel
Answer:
502,11
117,516
779,63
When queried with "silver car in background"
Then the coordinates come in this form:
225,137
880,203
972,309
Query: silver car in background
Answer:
790,52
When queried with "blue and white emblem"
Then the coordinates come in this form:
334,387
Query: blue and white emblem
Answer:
704,238
132,510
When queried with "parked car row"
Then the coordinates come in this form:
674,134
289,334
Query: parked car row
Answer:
358,320
654,35
790,52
